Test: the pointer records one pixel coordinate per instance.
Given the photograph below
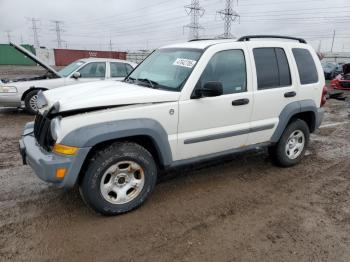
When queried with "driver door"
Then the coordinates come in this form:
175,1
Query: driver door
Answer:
93,71
209,125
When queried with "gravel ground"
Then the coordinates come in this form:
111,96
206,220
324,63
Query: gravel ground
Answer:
241,208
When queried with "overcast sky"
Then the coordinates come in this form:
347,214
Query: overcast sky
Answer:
140,24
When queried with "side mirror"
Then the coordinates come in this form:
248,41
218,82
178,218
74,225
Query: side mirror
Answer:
76,75
211,88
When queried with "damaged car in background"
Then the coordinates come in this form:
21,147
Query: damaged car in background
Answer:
23,92
342,81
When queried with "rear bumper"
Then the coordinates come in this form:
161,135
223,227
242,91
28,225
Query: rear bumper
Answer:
10,100
45,163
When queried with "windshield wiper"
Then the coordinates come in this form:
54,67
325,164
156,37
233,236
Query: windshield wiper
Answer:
152,83
130,78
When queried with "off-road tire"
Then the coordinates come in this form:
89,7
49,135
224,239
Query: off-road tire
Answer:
90,185
278,152
27,102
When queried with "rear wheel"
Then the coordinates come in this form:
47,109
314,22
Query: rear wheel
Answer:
30,101
119,178
291,147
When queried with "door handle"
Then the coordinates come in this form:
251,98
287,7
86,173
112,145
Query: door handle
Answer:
240,102
290,94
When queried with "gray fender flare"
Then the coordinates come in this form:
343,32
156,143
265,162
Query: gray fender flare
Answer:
89,136
289,111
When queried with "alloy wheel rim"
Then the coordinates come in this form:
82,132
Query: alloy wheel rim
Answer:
33,102
122,182
295,144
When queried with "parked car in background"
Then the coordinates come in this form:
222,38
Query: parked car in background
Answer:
339,69
342,81
330,70
22,92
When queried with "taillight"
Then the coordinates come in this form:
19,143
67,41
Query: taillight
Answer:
324,96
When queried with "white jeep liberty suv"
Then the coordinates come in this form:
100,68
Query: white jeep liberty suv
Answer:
184,103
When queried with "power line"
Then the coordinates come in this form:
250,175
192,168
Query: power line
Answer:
229,16
58,30
195,11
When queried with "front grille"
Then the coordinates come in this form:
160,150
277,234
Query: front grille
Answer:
42,132
345,84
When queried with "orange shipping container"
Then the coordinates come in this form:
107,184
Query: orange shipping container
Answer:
66,56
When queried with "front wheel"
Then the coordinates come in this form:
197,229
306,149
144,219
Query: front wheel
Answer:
291,147
30,102
119,178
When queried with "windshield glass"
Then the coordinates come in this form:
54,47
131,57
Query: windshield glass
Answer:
66,71
166,68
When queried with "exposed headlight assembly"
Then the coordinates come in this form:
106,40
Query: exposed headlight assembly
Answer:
8,89
55,127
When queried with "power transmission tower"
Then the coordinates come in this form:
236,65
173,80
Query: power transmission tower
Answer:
8,34
58,29
35,31
228,15
195,11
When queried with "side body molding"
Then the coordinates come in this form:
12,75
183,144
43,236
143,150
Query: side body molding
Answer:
289,111
89,136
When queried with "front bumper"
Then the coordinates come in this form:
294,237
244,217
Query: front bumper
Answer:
45,163
10,100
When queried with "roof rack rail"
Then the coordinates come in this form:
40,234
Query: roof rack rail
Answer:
201,39
248,37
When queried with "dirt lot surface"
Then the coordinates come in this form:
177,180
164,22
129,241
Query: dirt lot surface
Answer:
241,208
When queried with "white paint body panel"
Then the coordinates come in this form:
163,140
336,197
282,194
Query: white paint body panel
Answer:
192,118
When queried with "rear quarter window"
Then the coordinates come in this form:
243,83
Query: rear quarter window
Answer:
306,66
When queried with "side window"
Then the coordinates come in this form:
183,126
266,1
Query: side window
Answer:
272,68
129,68
118,69
229,68
306,66
93,70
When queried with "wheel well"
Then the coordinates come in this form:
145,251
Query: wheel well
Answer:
32,89
144,141
308,117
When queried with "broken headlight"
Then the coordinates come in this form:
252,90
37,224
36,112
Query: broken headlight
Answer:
55,127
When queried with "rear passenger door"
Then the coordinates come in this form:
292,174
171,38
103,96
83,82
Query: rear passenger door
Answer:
274,88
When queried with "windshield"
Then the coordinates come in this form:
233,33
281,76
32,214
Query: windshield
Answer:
66,71
166,68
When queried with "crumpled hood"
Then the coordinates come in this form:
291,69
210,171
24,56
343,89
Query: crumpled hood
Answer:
105,94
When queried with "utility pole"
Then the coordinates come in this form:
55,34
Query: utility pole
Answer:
110,45
228,15
35,31
8,34
22,42
58,29
195,11
333,40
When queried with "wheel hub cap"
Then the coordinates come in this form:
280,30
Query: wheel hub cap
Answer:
122,182
295,144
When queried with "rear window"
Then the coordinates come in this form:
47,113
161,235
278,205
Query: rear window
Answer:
306,66
272,68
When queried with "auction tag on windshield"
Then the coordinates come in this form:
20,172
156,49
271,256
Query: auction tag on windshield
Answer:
184,62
